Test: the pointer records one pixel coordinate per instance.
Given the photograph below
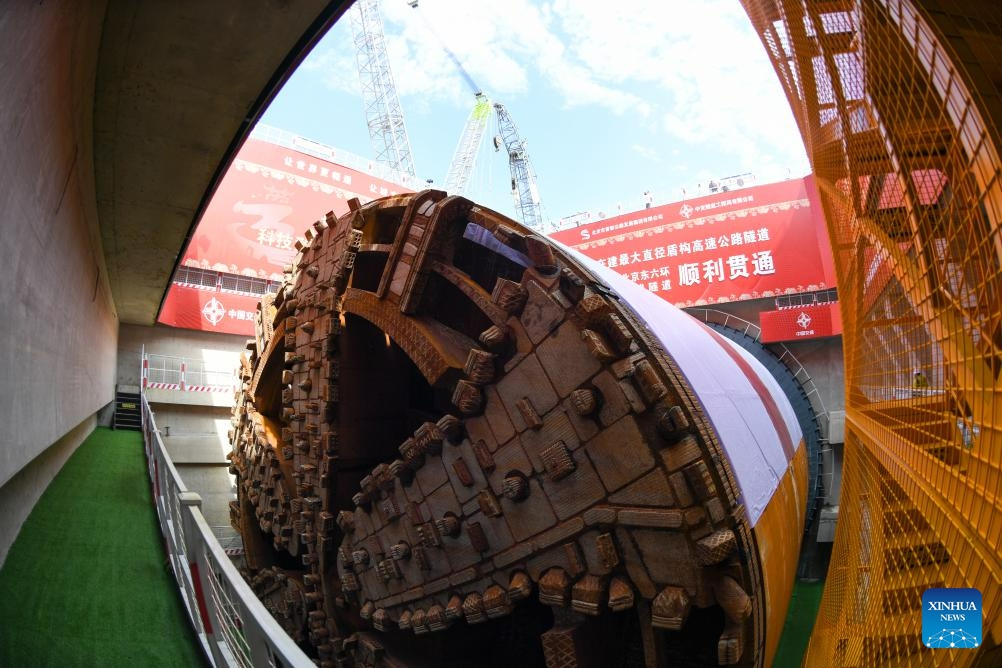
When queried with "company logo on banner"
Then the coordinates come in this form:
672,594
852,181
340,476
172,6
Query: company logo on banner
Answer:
214,311
763,241
951,618
209,311
800,322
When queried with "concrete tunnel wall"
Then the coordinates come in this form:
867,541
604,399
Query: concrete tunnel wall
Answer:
58,327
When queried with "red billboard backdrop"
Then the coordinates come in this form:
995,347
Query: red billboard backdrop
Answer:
800,322
268,198
209,310
761,241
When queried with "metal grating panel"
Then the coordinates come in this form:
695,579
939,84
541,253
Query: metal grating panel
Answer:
899,105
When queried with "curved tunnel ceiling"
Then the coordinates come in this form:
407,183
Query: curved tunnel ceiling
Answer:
178,88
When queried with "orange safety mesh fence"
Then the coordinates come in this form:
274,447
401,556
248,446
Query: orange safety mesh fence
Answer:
900,105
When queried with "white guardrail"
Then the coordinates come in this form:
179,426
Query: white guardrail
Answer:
232,625
167,372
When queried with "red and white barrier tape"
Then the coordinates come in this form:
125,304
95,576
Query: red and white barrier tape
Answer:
189,388
162,386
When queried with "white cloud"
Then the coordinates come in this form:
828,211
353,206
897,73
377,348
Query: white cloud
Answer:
502,48
646,152
471,32
700,68
691,76
335,65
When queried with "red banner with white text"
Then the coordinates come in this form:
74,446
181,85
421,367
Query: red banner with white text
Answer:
762,241
268,198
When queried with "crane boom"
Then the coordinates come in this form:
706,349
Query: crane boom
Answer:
523,177
465,157
383,113
449,52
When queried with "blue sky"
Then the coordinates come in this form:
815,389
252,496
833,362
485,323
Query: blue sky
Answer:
655,95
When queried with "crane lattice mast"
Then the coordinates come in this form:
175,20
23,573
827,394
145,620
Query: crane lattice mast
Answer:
383,113
465,157
523,176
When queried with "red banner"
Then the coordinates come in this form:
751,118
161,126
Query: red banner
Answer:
267,199
800,322
755,242
209,310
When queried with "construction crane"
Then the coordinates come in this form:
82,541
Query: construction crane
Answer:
383,113
523,177
524,189
465,157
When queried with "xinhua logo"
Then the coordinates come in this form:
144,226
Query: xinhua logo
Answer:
951,618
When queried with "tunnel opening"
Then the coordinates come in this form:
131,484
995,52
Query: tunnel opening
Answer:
484,265
696,645
446,303
368,270
385,226
383,399
512,640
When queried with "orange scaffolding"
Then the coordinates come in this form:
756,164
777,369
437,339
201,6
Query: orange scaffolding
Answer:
899,105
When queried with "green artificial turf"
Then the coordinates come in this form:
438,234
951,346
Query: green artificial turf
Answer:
799,624
85,582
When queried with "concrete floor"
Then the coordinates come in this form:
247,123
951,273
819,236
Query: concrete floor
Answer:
196,442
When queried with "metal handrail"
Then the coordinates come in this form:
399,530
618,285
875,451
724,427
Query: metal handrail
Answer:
184,372
784,354
233,626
